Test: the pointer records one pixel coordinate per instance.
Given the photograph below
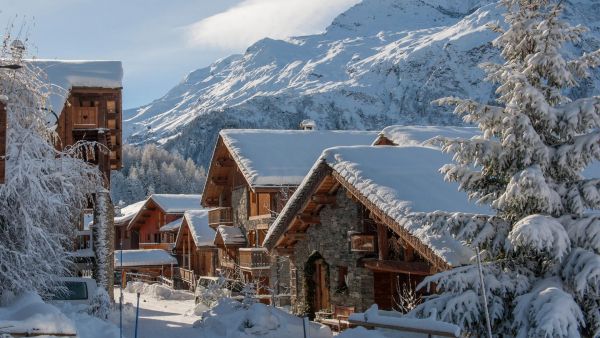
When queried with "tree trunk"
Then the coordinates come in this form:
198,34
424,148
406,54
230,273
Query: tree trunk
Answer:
104,236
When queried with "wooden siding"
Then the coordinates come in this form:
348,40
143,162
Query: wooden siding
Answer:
94,114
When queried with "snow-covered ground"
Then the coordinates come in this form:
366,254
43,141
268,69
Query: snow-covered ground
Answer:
158,318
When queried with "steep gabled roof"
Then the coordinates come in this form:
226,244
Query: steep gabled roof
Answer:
144,257
169,204
270,158
172,226
197,221
67,74
283,157
176,203
417,135
229,235
128,212
399,183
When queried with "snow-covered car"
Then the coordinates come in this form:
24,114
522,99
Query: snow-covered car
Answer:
210,288
79,290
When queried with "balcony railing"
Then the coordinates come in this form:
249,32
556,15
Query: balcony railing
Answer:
226,261
254,258
218,216
164,246
363,242
85,117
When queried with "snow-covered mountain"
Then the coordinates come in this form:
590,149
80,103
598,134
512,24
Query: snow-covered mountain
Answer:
381,62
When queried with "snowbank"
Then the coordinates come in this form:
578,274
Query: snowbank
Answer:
29,313
158,291
231,319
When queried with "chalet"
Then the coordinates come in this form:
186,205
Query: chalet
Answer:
123,216
357,230
157,211
145,264
90,108
251,175
195,248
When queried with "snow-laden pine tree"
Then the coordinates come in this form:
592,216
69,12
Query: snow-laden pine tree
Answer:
542,248
45,189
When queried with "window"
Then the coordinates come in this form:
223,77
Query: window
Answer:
148,238
111,107
342,277
75,291
156,238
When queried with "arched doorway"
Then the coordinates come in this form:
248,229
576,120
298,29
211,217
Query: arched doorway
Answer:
317,283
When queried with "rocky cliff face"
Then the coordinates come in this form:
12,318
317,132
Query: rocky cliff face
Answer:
381,62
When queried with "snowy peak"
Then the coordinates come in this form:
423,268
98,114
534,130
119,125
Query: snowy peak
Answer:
381,62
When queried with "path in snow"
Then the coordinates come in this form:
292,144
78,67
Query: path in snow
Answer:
160,318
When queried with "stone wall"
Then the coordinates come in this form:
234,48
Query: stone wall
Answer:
331,240
239,204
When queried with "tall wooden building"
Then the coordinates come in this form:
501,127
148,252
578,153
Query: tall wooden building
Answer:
251,175
369,236
85,103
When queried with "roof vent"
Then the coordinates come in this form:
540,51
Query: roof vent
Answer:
308,125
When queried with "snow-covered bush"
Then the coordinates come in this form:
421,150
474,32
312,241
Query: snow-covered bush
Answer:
100,305
541,250
45,189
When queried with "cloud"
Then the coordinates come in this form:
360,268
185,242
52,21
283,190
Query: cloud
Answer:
252,20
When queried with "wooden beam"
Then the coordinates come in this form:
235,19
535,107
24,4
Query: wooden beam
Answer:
323,199
414,268
308,219
225,162
295,236
409,254
382,241
284,251
219,180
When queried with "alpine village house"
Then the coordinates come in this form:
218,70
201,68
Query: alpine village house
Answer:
251,175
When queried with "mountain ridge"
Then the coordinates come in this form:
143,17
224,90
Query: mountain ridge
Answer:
380,62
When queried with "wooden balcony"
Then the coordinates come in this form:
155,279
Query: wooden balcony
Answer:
85,117
163,246
254,258
220,216
225,260
363,242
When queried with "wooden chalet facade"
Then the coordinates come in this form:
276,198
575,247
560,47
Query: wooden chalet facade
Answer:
250,178
157,211
195,250
124,238
356,232
90,109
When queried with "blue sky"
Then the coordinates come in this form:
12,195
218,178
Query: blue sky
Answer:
159,41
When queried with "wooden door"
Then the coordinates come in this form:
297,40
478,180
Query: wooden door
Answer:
321,300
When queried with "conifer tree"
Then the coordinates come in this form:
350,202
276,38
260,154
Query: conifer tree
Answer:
542,246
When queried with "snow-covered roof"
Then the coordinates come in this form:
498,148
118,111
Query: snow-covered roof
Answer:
172,226
231,235
416,135
128,212
283,157
177,203
144,257
202,233
67,74
401,181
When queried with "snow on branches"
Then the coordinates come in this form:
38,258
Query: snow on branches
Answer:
45,189
542,248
